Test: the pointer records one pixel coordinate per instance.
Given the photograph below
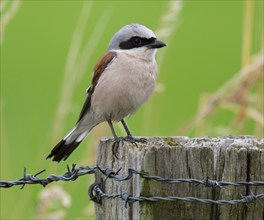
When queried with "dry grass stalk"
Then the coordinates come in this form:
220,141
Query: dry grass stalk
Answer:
237,95
231,96
168,24
8,11
77,60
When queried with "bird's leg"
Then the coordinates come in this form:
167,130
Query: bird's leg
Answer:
117,139
112,128
129,136
126,128
121,140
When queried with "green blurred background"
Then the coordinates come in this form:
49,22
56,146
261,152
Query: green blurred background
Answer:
48,49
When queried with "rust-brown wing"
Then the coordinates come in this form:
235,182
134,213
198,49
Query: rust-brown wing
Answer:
99,68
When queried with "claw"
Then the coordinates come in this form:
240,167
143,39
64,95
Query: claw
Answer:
121,140
116,146
142,140
134,141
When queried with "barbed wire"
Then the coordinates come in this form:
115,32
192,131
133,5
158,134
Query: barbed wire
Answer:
96,193
96,190
207,182
73,173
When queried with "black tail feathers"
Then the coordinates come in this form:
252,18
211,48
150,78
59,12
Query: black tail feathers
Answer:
62,150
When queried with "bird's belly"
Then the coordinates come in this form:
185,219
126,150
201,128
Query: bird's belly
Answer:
130,99
121,95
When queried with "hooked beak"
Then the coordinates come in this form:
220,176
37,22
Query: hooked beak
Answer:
156,44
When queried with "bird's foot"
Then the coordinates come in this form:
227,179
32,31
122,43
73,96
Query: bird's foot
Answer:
120,140
134,140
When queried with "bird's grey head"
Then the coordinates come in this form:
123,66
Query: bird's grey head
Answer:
134,36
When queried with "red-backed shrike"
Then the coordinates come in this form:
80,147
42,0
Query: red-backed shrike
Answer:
123,79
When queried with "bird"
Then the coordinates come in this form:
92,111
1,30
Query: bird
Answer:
123,79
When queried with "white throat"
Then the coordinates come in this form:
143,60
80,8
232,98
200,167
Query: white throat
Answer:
141,53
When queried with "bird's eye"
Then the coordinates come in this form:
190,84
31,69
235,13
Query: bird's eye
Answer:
136,41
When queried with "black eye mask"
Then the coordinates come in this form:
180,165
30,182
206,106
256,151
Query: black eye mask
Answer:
135,42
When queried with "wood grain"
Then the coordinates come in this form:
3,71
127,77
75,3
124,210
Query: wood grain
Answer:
221,158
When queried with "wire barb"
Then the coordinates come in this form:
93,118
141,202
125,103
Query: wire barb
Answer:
211,183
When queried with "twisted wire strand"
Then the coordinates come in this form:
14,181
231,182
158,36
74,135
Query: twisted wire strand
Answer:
131,199
207,182
73,173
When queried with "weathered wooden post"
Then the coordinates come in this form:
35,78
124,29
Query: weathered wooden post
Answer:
230,159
